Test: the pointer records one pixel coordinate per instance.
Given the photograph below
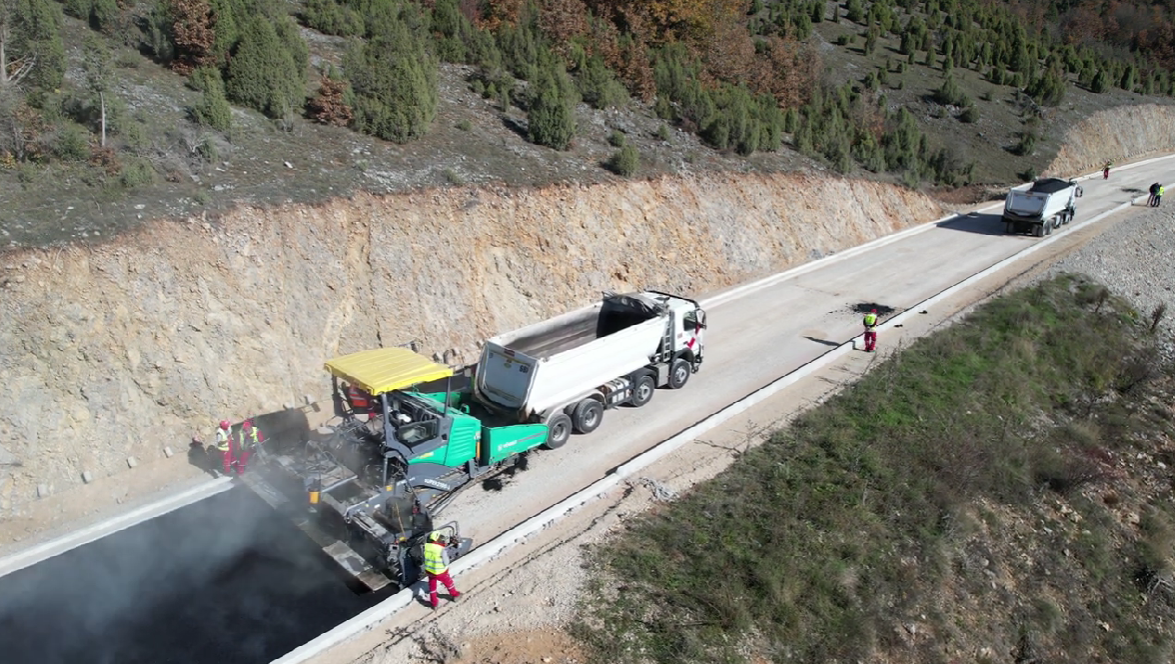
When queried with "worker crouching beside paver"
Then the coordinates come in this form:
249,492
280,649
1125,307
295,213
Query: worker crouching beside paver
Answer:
436,567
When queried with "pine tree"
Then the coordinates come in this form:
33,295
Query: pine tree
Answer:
394,80
213,110
551,117
31,49
1128,79
263,74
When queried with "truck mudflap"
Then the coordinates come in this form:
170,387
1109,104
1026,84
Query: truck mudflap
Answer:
349,560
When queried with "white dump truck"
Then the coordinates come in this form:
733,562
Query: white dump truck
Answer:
566,371
1041,206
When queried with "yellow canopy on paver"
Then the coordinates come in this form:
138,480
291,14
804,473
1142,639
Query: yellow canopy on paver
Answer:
386,369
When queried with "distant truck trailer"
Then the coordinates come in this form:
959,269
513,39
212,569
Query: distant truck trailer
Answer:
1040,207
566,371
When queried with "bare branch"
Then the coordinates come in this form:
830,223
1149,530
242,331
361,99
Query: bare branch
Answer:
16,70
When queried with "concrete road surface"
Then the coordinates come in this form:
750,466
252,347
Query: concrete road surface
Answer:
220,581
756,338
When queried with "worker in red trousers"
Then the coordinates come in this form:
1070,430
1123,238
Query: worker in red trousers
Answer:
248,438
224,441
436,567
870,331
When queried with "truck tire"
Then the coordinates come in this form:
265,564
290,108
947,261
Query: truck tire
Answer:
643,389
1038,230
559,425
588,416
1007,228
679,373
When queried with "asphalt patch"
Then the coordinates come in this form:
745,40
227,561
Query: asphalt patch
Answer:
866,307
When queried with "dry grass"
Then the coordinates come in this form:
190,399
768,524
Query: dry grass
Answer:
849,534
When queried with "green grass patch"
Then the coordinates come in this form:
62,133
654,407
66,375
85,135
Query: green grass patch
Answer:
824,543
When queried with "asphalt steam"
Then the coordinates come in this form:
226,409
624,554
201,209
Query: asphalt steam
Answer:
225,580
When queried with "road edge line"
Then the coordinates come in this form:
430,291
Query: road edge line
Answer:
39,553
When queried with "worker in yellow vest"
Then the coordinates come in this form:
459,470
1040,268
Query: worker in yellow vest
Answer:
248,438
870,331
1159,196
436,567
224,445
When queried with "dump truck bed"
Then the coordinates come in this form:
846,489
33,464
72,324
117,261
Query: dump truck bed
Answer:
573,332
541,366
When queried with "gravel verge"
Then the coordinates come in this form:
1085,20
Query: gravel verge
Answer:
1135,259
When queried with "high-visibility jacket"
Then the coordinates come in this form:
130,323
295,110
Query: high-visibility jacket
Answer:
222,438
247,440
870,321
435,558
1161,190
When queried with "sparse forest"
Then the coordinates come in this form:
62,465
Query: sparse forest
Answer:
745,76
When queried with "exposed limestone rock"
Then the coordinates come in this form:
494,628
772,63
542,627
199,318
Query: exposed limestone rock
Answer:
116,351
1115,134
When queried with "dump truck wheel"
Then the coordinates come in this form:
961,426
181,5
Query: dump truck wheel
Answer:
643,390
559,426
1007,228
589,414
679,373
1038,230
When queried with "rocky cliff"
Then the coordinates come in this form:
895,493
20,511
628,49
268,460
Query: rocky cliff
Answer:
1116,134
113,351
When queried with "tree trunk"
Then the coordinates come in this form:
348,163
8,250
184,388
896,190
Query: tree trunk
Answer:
102,103
3,58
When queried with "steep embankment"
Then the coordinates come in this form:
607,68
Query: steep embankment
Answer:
118,350
1116,134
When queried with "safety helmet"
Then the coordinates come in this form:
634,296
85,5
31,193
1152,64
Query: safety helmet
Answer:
435,536
872,311
224,424
248,425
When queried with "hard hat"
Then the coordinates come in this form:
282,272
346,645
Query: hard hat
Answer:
873,311
435,535
248,425
224,424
